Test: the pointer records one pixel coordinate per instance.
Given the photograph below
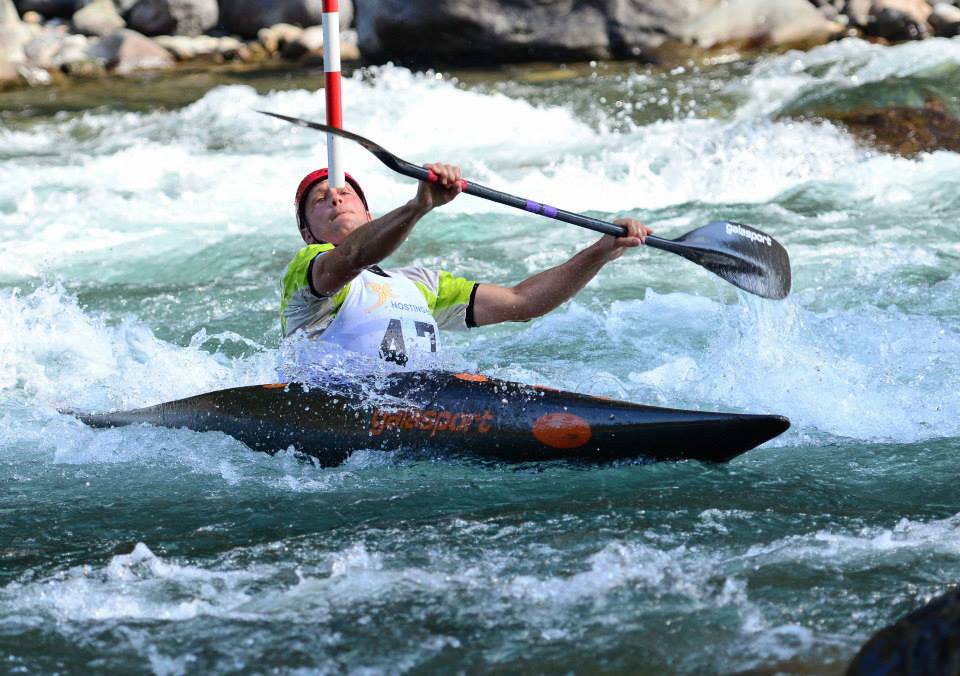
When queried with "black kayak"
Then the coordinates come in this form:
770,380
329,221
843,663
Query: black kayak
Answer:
454,413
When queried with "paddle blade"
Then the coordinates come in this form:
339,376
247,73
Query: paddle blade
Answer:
746,257
374,148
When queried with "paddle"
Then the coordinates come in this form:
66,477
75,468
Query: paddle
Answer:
744,256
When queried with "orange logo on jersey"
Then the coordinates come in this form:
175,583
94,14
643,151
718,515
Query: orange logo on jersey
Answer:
384,293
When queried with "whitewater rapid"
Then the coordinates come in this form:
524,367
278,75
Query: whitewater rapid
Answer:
140,259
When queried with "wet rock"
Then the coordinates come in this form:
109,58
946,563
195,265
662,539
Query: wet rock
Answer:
126,51
829,8
54,49
348,51
13,33
122,6
8,73
898,20
903,130
35,76
482,31
502,31
83,68
308,40
42,48
173,17
927,641
230,47
253,52
857,12
62,9
98,18
276,37
74,57
247,17
637,29
763,23
349,46
181,47
185,48
945,20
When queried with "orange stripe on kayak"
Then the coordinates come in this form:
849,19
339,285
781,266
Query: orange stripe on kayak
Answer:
471,377
274,386
545,388
562,430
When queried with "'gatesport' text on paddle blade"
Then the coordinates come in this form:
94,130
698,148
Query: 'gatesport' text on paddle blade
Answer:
744,256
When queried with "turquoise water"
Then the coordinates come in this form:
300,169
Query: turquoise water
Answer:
141,246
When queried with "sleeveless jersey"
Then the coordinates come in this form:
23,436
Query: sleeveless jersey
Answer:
385,314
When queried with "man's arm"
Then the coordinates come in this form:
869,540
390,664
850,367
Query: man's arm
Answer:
372,242
546,290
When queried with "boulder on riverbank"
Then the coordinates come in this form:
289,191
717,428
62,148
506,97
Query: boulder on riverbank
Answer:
173,17
97,18
439,33
185,48
945,19
61,51
503,31
126,51
898,20
59,9
13,33
763,23
470,32
247,17
13,36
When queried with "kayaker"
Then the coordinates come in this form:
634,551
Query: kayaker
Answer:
334,288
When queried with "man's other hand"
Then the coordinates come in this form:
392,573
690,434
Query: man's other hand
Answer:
613,247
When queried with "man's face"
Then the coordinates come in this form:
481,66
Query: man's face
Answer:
333,213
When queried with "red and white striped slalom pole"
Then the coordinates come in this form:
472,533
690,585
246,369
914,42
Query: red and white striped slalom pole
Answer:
331,72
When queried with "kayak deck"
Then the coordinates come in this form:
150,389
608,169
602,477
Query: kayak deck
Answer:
462,413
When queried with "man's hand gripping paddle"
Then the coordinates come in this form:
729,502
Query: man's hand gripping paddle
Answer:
744,256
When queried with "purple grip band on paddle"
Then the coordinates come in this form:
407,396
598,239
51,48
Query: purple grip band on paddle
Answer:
544,209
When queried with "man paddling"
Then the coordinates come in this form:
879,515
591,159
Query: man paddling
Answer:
335,290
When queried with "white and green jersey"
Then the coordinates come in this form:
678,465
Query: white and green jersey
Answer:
381,313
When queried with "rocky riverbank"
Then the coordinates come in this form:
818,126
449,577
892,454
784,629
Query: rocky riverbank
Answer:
43,41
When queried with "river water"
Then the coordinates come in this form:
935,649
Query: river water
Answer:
143,231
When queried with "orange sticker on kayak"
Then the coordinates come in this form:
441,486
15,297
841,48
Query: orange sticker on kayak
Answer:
274,386
562,430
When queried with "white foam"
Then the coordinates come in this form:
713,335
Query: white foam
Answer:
132,586
57,353
868,546
777,82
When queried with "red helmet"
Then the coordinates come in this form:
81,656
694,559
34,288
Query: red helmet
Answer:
311,180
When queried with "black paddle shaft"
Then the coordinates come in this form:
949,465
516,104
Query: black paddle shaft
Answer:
401,166
413,171
744,256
